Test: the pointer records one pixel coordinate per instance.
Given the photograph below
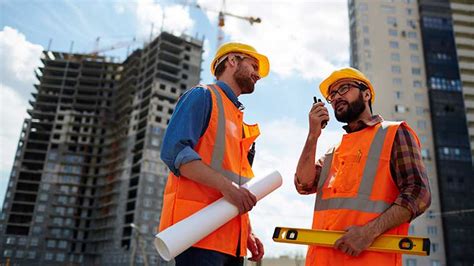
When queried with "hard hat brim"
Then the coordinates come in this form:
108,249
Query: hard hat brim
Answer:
344,74
263,63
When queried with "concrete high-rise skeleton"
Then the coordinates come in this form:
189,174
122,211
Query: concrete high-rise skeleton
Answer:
87,180
406,47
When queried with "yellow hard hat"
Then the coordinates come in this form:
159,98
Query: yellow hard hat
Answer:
235,47
345,73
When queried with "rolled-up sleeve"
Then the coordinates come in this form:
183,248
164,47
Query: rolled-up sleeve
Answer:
187,124
311,188
409,173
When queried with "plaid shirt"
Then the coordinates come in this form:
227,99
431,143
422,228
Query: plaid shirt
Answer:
406,167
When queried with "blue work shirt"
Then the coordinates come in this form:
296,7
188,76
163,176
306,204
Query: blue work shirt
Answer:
188,123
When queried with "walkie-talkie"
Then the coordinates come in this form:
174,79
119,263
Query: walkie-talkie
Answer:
325,122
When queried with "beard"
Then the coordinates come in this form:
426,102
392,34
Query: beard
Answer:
244,80
353,110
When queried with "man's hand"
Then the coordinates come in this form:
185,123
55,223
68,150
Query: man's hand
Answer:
317,115
243,199
356,240
255,247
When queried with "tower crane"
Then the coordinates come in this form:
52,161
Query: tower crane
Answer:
221,19
114,46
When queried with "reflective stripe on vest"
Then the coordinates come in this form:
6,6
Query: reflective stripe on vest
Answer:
219,146
361,202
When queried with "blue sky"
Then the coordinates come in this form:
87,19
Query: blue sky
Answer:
304,41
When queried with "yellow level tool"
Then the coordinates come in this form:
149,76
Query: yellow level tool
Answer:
385,243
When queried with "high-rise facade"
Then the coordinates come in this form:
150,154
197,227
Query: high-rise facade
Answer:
451,138
463,25
391,44
87,181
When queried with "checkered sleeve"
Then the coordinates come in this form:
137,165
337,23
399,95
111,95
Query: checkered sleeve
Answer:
409,173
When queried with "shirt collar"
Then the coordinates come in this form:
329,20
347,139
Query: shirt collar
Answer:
230,94
364,123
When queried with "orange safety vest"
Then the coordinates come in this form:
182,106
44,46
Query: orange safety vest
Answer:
224,147
355,187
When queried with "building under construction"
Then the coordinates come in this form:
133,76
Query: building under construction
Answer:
87,182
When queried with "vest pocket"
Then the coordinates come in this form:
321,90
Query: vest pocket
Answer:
347,179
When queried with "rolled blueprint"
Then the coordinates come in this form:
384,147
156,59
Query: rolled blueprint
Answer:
177,238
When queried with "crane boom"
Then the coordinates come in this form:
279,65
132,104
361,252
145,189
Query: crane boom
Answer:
221,19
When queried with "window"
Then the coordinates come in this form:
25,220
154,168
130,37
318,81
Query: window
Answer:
415,59
392,21
39,218
417,84
56,232
149,190
365,29
434,247
62,244
435,263
388,9
11,240
146,215
22,241
392,32
58,221
147,202
445,84
425,154
34,242
48,256
410,262
51,243
41,207
419,97
20,253
397,81
398,95
396,69
366,42
421,124
60,257
395,57
432,230
393,44
416,71
7,253
413,46
363,7
31,254
423,138
43,197
400,108
412,35
420,110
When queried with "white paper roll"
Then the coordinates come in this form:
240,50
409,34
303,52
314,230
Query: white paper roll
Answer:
177,238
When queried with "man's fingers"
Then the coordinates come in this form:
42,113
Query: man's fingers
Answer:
260,248
338,243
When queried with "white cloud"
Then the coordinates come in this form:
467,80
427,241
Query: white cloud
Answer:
310,38
16,84
279,148
19,59
207,49
176,20
13,110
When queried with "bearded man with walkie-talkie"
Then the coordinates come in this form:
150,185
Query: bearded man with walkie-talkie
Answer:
373,182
